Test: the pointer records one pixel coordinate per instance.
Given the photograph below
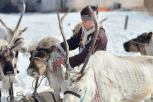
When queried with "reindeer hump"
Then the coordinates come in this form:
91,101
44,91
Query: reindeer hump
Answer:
47,42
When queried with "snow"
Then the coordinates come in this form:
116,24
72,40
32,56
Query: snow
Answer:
43,25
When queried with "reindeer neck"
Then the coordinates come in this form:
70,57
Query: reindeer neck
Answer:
54,74
90,86
149,49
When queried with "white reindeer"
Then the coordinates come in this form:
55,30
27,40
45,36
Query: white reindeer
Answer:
143,44
8,58
112,78
8,68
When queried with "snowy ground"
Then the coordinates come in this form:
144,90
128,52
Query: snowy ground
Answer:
43,25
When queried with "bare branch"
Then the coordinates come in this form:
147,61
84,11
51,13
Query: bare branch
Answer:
23,10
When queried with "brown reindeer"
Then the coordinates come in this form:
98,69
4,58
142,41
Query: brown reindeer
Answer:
143,44
41,62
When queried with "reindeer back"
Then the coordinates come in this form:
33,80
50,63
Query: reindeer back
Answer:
47,42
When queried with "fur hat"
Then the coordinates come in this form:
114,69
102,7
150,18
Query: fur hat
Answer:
86,11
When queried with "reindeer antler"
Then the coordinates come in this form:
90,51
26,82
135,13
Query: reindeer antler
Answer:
93,14
64,38
101,22
23,10
4,24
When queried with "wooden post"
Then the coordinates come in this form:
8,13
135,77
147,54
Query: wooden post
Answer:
126,22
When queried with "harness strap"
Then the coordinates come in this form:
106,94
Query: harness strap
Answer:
35,99
16,54
138,48
45,62
84,96
73,93
18,40
53,96
96,97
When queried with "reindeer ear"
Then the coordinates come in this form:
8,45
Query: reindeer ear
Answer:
149,36
63,70
31,52
10,31
24,29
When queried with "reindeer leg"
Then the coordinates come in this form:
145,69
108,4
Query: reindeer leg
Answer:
11,92
0,94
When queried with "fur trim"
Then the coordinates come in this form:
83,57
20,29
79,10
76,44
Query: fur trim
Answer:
86,34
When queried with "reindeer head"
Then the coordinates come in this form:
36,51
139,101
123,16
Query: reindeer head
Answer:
7,58
19,37
138,44
74,86
7,53
39,57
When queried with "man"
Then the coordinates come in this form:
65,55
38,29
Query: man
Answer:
83,40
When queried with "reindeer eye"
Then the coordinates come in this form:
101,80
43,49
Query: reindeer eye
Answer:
14,65
12,55
42,55
80,90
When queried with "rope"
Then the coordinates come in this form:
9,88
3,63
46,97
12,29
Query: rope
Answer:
141,43
39,83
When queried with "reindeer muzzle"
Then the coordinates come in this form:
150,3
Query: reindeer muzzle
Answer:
8,69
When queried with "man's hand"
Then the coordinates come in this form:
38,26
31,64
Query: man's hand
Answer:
59,62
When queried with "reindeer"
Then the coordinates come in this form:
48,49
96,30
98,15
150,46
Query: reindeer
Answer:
8,68
8,33
8,59
109,78
41,63
143,44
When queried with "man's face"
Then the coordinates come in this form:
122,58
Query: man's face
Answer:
88,24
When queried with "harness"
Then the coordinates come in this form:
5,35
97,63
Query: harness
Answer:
138,48
45,62
17,52
96,97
